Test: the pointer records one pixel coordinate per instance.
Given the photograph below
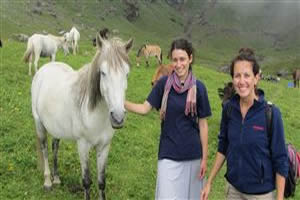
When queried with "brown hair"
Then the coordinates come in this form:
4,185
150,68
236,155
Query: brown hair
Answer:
245,54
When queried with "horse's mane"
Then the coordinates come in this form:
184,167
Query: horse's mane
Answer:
114,54
140,50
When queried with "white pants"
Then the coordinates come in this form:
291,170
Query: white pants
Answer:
178,180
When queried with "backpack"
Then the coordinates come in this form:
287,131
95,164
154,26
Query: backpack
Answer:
293,155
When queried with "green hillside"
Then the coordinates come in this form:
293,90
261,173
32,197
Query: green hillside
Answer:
218,29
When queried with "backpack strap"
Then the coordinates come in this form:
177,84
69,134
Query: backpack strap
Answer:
228,109
269,116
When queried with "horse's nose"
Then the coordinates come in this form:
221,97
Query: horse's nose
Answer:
117,119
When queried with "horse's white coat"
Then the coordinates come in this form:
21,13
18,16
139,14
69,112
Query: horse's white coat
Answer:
56,91
73,37
43,46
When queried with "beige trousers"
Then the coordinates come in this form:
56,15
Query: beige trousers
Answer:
234,194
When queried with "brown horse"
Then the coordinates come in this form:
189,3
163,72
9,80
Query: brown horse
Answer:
148,50
296,77
161,70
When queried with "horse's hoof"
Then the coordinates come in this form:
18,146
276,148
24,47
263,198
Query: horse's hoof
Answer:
47,188
56,180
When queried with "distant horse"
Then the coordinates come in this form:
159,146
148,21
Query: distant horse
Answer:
148,51
73,37
226,93
85,105
161,70
104,34
296,77
43,46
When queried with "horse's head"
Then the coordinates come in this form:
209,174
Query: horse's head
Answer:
111,65
226,93
65,44
138,55
162,70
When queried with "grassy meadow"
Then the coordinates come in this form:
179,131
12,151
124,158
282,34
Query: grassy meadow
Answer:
131,170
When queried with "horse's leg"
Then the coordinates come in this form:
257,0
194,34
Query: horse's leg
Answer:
83,150
41,133
36,60
137,61
52,57
55,145
147,63
102,153
74,47
30,63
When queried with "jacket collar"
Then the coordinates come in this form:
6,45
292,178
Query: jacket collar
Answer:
257,103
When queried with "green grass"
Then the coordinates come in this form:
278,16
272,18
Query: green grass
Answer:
131,170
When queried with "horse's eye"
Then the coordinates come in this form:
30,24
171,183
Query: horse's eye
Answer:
102,73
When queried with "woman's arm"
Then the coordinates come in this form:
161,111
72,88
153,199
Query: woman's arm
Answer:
203,127
138,108
219,161
280,184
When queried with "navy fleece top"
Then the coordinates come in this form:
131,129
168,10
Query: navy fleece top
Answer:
251,161
179,139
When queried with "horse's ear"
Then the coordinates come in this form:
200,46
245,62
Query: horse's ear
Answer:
99,41
128,44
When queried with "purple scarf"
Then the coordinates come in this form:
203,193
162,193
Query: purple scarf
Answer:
189,84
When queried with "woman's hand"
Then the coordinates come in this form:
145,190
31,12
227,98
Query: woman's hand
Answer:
203,167
205,191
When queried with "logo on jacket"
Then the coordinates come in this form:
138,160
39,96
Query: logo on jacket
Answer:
258,128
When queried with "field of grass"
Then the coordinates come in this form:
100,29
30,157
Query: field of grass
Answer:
131,170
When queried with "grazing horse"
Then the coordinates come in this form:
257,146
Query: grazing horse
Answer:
73,37
147,51
161,70
43,46
296,77
85,106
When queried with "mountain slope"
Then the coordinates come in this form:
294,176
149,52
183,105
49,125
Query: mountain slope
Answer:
217,28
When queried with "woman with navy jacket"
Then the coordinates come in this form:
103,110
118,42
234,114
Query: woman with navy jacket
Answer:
255,165
184,107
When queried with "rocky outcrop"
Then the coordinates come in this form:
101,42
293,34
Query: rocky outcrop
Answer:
131,10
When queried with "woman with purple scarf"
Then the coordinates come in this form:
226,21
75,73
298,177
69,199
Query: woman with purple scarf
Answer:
184,107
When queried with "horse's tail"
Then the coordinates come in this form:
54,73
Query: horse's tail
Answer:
28,52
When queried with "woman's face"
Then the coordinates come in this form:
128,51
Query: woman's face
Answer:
244,80
181,62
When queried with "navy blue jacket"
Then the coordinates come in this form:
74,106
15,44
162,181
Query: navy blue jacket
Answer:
179,139
251,161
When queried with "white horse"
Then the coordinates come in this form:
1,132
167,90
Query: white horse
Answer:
43,46
85,105
73,37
